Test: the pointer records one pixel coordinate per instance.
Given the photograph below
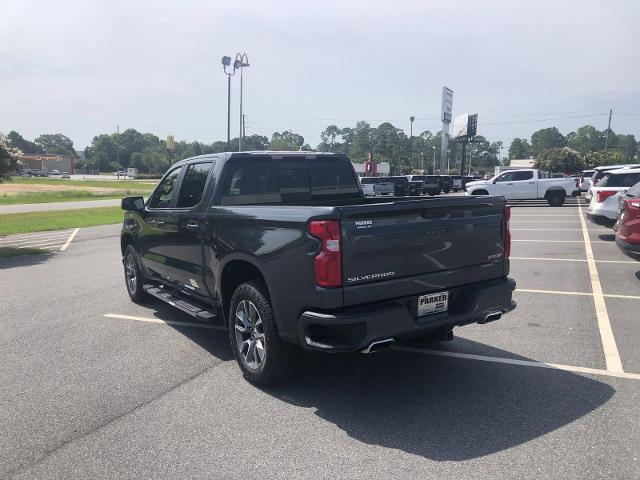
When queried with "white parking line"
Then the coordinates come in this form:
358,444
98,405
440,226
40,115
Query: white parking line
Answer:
523,363
538,221
17,241
69,240
561,241
542,215
165,322
611,354
545,229
544,259
586,294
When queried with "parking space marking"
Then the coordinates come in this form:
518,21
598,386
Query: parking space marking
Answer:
32,239
544,259
560,241
587,294
541,215
545,229
538,221
523,363
69,240
165,322
611,354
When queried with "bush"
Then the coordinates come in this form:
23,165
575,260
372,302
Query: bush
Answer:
558,160
148,176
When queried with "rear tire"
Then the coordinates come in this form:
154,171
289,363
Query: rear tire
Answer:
262,355
133,275
555,199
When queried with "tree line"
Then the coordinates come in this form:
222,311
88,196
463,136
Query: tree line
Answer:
586,147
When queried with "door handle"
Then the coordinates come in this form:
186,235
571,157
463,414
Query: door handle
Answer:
160,223
531,183
192,226
509,183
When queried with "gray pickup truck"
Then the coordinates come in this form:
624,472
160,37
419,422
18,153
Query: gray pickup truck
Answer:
284,248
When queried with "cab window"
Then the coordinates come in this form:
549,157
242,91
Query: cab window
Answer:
505,177
163,195
193,183
526,175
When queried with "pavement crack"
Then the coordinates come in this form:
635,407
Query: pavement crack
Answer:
47,453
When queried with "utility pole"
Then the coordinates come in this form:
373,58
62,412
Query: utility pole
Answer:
241,61
226,62
243,128
118,149
411,119
606,142
422,163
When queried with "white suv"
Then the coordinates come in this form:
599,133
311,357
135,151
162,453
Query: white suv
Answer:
603,208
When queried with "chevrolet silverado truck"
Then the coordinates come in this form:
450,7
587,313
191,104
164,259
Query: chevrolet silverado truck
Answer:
527,184
285,250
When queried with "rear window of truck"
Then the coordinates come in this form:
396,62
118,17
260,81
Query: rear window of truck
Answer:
266,181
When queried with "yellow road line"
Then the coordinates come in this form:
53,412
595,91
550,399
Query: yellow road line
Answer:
611,354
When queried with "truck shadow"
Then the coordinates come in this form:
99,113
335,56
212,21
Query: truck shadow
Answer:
24,260
444,409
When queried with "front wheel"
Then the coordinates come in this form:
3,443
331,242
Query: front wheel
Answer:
132,275
262,355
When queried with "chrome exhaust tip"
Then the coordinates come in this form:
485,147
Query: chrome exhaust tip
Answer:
379,345
491,317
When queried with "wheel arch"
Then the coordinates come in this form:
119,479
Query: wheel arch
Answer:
234,273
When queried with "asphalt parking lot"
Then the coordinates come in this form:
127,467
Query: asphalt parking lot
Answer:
94,386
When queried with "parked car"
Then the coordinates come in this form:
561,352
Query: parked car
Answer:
55,172
585,180
65,175
374,186
628,224
600,172
400,185
285,250
526,184
445,183
430,183
604,205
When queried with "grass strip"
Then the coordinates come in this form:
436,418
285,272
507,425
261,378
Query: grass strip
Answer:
63,196
58,219
6,252
115,184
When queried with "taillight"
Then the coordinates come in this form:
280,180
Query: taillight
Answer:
633,207
507,233
328,263
577,183
604,194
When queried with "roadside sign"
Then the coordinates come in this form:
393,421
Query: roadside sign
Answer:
447,104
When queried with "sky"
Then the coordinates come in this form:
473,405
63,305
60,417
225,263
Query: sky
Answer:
84,67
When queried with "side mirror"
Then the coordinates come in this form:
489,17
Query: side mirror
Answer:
132,203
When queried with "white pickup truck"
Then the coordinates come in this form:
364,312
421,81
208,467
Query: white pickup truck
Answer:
374,186
527,184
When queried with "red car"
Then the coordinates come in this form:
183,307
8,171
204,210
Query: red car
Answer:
628,225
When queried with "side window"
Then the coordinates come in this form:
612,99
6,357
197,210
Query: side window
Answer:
193,184
505,177
162,196
523,175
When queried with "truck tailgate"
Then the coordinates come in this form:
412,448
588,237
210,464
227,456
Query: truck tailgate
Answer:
409,247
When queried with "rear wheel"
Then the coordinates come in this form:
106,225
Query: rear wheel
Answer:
133,276
262,355
555,199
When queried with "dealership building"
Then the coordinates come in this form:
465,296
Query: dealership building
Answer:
47,163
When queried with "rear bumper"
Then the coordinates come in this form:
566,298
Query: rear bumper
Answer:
629,249
599,219
354,328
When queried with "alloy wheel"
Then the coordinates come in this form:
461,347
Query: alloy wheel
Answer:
250,337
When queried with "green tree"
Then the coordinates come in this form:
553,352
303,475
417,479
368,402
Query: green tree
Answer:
560,160
25,146
55,143
626,144
603,158
8,158
329,139
102,151
586,139
519,148
546,139
287,141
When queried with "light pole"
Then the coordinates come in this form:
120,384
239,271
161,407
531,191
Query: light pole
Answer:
240,62
411,119
226,62
434,159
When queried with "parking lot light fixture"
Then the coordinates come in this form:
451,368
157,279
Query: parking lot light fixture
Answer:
226,64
